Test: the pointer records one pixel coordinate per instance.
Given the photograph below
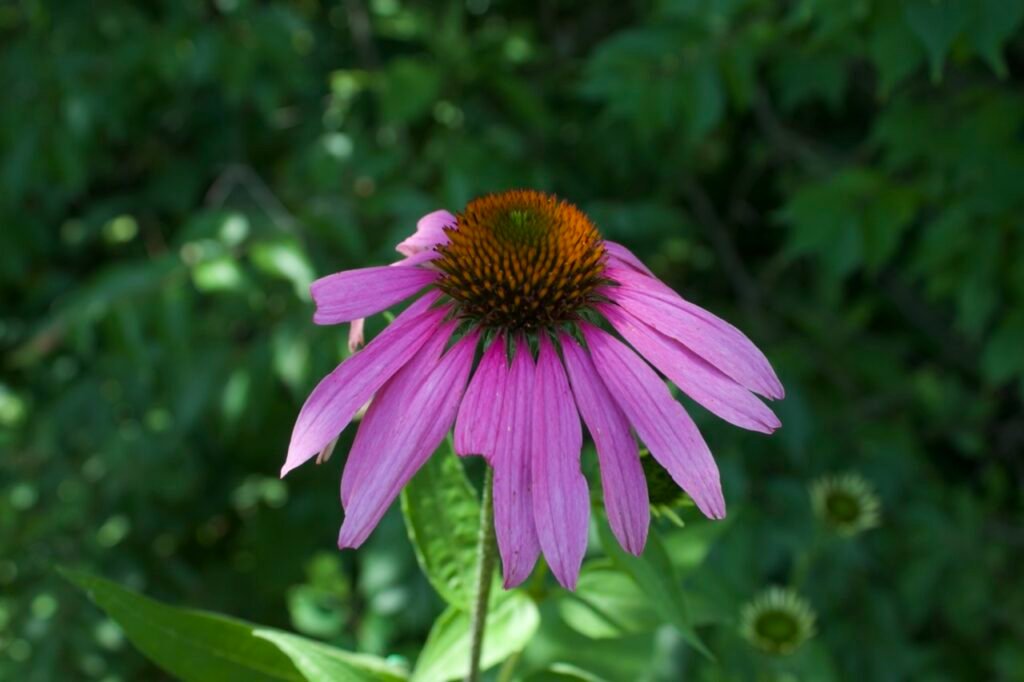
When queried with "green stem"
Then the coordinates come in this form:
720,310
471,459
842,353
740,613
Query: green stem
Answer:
484,577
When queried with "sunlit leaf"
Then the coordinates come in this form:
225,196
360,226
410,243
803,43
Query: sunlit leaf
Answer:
202,646
442,515
511,622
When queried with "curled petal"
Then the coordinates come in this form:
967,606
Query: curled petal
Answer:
659,420
429,233
355,334
622,475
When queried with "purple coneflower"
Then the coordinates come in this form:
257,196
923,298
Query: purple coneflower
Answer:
527,280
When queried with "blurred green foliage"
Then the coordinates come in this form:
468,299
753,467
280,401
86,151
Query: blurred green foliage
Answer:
841,180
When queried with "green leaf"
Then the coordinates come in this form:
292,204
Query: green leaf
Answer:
996,21
320,662
286,260
937,23
893,48
1002,358
202,646
442,515
564,672
656,577
607,603
410,88
511,622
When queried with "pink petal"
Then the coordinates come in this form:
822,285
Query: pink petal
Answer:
659,420
478,423
561,501
405,424
622,475
513,509
355,334
413,374
429,233
624,256
708,336
338,396
692,374
351,294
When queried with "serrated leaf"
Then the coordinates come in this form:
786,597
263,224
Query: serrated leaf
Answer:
995,22
893,48
937,23
511,623
656,577
442,516
202,646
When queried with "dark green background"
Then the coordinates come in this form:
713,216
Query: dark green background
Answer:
842,180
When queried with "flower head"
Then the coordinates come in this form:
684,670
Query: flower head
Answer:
847,503
506,345
777,621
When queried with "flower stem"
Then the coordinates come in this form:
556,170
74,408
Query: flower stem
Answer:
485,572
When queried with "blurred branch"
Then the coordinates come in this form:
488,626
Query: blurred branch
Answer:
722,242
239,175
785,140
952,347
362,33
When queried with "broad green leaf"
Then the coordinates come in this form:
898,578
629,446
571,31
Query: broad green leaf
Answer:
321,662
607,603
656,577
937,23
442,515
511,622
202,646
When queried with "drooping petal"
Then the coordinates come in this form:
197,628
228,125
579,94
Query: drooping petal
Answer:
352,294
410,419
659,420
695,376
561,500
710,337
620,253
355,334
335,400
622,475
371,438
478,423
513,507
429,233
